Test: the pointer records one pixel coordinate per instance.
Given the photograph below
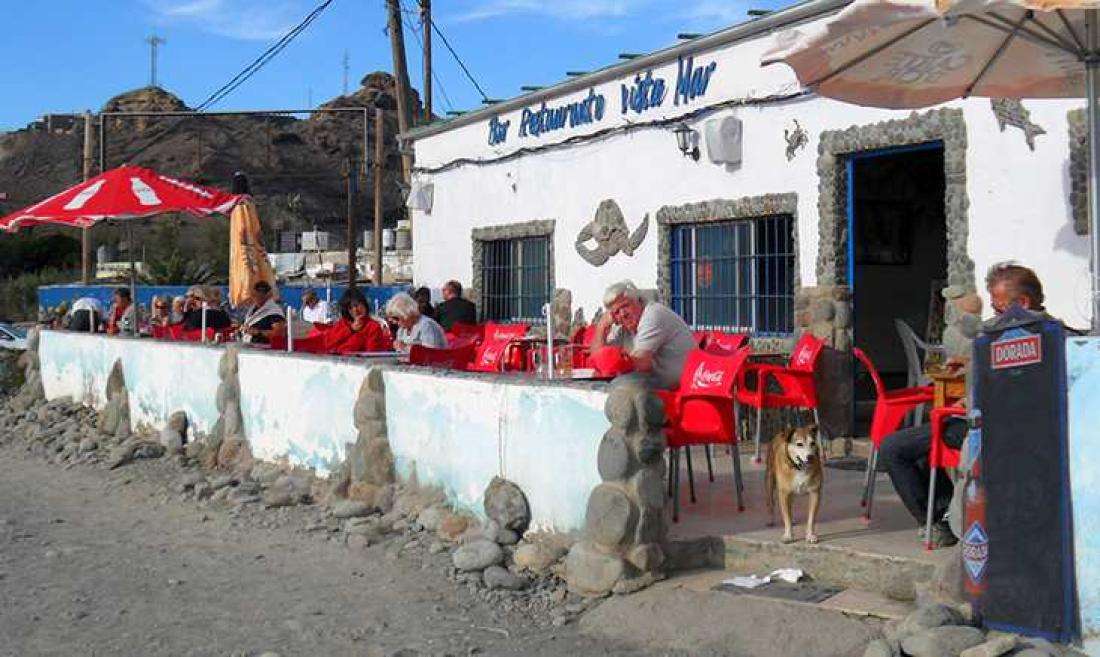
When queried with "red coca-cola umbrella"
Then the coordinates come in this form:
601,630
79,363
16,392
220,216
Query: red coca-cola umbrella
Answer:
128,192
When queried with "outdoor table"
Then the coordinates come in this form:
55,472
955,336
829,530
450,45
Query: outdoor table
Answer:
379,355
948,386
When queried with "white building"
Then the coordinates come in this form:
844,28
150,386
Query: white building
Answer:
933,197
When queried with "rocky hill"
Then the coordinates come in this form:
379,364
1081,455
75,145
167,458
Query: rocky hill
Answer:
296,164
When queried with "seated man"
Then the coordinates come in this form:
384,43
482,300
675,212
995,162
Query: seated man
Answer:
454,308
905,453
656,338
265,319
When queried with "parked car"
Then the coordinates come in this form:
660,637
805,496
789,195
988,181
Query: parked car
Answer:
12,337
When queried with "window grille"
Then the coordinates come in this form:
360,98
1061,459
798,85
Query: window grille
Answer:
736,275
515,279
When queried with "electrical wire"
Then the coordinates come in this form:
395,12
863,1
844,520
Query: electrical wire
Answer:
264,58
608,132
458,59
420,42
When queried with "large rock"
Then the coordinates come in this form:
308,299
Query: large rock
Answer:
538,557
590,572
178,422
498,577
171,440
351,509
929,616
882,648
946,641
994,647
452,525
506,504
610,516
477,555
613,457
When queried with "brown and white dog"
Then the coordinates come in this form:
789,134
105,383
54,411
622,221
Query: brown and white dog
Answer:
794,468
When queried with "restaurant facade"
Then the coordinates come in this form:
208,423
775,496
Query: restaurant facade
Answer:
750,204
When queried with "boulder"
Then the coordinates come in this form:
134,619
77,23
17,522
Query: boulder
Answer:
945,641
994,647
477,555
537,557
498,577
929,616
590,572
611,516
171,440
351,509
451,526
506,504
178,422
882,648
429,518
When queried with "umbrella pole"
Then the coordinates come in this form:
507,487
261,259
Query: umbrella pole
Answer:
133,282
1092,87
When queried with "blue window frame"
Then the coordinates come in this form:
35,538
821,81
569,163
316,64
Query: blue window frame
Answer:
735,275
515,279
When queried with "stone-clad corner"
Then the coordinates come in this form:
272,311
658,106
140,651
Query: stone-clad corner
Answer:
625,525
368,474
31,391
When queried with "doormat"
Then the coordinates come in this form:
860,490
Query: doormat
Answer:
853,463
812,592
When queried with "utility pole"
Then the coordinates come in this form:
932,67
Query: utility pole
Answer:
346,67
85,238
401,77
379,128
426,28
154,41
351,171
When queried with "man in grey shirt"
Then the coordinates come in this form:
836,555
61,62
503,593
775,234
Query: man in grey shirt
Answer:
656,338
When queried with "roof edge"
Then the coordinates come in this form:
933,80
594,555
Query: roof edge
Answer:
796,13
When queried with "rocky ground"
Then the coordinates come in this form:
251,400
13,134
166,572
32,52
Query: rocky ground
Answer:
121,549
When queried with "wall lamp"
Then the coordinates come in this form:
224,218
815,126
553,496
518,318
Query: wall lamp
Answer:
687,140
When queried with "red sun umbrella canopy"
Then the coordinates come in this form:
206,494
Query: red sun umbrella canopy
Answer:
128,192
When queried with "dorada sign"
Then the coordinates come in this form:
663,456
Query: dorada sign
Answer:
643,93
1016,348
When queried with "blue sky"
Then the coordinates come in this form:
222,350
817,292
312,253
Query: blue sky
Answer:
71,55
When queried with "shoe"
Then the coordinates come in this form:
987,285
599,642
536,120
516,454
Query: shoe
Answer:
942,536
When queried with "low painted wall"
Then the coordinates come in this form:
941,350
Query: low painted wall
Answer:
458,431
1083,367
161,377
455,431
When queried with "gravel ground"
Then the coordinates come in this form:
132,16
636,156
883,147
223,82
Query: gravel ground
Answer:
119,562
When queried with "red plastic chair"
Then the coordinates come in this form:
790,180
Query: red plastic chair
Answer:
796,384
462,333
939,456
457,358
891,407
701,412
700,338
582,342
724,344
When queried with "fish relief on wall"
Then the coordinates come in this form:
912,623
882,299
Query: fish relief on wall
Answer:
1011,111
610,233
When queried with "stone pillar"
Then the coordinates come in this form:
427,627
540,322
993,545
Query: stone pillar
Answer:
114,419
826,311
31,392
371,473
227,446
625,525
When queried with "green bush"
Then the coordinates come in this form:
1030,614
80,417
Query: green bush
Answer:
19,294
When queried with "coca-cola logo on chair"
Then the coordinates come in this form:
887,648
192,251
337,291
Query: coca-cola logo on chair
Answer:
489,355
704,378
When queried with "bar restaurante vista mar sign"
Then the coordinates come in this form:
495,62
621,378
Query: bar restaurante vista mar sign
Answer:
642,94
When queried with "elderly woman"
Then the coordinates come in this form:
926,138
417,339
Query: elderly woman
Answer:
356,330
179,306
414,328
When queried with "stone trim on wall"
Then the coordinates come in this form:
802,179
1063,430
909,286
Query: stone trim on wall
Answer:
534,228
747,207
1079,169
944,125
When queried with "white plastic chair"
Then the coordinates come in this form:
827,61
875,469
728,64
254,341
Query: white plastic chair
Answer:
915,362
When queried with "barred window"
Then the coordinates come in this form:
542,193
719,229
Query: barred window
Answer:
515,279
735,275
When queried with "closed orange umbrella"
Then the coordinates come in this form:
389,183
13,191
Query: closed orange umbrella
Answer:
248,262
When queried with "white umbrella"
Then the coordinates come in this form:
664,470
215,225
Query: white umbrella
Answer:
915,53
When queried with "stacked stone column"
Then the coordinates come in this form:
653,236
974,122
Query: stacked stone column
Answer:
31,392
370,460
625,525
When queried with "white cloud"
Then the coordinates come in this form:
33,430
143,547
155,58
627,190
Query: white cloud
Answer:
562,9
251,20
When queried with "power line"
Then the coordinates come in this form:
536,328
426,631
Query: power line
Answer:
263,59
420,42
461,64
